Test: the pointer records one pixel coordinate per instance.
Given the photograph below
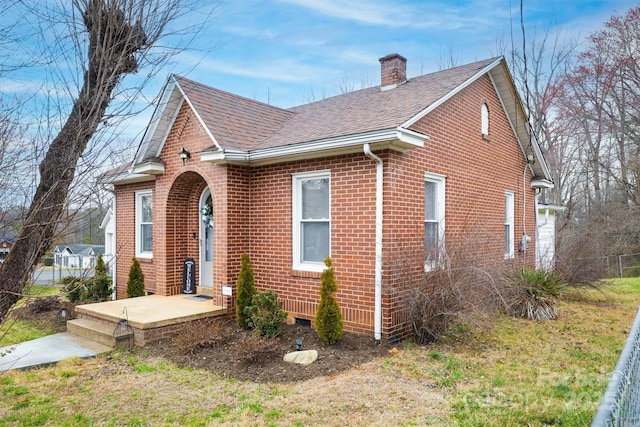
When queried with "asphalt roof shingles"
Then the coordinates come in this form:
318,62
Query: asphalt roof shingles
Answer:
243,124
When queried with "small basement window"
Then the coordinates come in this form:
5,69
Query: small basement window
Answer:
302,322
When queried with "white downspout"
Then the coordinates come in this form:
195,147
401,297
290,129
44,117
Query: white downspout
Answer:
377,318
114,245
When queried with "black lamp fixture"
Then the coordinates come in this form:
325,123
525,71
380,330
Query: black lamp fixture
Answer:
184,155
298,344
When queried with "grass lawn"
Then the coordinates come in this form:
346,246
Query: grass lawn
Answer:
14,331
514,373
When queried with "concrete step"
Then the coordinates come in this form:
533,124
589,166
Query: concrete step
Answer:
100,332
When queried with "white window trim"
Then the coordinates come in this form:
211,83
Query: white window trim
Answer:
138,221
509,210
440,181
296,198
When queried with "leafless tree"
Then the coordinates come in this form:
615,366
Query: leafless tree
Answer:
104,41
597,100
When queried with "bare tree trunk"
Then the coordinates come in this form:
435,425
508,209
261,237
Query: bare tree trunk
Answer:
113,41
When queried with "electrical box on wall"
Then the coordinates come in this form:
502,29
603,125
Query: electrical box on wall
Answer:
522,244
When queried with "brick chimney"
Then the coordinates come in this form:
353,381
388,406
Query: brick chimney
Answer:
393,69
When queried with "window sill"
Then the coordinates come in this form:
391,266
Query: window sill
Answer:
306,274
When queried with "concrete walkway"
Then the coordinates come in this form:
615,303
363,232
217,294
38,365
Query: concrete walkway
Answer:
48,351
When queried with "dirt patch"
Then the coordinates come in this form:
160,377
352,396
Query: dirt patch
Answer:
228,358
47,320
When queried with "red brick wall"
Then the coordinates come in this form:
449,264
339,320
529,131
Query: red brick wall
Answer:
352,237
253,211
125,238
478,172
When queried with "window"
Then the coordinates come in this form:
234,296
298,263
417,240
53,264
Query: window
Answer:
311,220
434,203
484,120
509,249
144,224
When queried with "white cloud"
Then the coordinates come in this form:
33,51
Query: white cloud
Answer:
397,14
283,69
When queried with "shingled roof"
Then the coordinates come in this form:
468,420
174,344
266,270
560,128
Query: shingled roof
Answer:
235,122
247,131
242,124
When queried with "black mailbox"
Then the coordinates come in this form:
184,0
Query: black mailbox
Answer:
189,276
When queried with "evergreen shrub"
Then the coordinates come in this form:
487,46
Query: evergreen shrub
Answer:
329,324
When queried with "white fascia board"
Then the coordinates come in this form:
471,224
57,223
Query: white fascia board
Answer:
107,218
224,156
167,125
553,208
159,123
526,127
150,168
398,139
542,183
450,95
130,178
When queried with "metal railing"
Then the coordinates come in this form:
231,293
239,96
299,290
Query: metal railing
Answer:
620,405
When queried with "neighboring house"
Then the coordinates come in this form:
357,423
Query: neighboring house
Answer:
546,246
379,179
109,226
76,255
6,243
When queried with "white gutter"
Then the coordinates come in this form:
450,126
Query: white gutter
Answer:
377,318
399,138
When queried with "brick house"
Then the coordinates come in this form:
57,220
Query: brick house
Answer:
368,177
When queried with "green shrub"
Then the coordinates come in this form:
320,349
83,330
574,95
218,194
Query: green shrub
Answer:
74,288
536,293
329,325
99,287
265,313
246,288
135,283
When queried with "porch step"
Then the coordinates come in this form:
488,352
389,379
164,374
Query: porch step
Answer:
100,332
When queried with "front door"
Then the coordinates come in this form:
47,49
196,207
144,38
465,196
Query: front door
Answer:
206,239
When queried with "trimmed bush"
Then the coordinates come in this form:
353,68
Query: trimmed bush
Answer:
265,313
99,287
329,325
135,283
246,288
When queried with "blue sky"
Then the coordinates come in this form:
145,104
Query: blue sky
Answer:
287,52
282,50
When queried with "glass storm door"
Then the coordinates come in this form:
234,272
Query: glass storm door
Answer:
206,239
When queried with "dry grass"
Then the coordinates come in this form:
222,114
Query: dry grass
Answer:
518,372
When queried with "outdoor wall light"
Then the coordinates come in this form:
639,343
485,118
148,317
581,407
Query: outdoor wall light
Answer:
298,344
184,155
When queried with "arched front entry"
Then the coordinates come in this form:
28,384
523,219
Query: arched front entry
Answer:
184,230
206,239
